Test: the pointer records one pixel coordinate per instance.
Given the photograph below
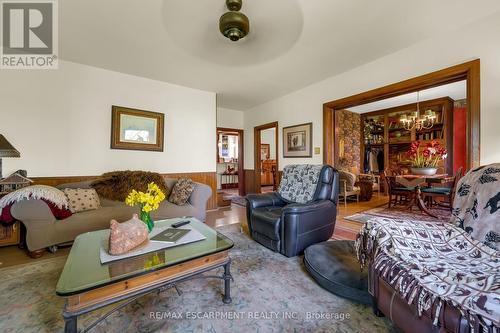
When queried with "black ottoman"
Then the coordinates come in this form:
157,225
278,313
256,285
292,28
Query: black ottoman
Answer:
334,266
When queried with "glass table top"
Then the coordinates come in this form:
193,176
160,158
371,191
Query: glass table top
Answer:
83,269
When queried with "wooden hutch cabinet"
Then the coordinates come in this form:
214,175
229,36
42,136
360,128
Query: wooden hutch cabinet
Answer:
384,142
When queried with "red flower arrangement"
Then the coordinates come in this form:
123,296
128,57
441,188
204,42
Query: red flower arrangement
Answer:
429,157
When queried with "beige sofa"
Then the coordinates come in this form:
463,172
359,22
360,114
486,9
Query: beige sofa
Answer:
43,230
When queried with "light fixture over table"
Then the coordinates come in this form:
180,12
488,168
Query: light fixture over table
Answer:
415,121
234,25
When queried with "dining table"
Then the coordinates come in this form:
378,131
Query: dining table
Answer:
417,182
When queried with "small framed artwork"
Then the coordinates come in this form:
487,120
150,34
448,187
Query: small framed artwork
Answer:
134,129
264,151
297,141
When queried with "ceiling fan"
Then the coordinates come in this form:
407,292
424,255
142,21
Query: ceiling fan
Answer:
233,24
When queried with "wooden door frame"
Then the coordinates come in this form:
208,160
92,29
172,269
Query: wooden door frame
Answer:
469,71
241,172
257,142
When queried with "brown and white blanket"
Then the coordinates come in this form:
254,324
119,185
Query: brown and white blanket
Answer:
476,207
435,263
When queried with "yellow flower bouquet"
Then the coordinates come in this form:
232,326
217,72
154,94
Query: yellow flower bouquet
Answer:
149,201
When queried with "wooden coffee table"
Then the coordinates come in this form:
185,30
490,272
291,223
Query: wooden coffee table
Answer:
89,285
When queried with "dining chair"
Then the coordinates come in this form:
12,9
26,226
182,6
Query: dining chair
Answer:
398,194
447,193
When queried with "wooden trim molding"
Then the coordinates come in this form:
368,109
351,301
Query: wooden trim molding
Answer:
469,71
249,181
241,155
257,143
208,178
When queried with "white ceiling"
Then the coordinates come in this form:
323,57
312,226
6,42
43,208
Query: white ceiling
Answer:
292,43
456,91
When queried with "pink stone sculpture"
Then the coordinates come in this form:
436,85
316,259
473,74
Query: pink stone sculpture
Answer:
126,236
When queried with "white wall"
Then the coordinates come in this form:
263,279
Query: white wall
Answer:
478,40
60,121
229,118
269,136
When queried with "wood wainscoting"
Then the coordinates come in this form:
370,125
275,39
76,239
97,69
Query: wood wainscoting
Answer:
250,181
250,176
208,178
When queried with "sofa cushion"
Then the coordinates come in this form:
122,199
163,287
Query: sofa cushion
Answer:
81,200
182,191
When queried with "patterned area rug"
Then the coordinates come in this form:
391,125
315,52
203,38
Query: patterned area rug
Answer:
401,212
271,293
240,201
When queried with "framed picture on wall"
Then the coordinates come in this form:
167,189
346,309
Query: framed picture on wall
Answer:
134,129
297,141
265,149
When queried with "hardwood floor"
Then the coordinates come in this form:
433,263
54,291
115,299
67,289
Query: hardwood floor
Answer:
344,229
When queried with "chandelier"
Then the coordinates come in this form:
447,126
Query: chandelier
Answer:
416,121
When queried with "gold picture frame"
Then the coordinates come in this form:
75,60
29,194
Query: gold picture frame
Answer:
297,141
134,129
265,149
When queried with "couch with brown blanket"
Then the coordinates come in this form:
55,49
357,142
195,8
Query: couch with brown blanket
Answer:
44,230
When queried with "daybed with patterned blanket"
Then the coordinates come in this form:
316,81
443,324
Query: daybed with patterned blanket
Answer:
431,277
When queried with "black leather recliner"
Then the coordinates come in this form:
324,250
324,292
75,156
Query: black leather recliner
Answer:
289,228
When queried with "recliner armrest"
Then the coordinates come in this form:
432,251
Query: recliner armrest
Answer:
264,200
309,207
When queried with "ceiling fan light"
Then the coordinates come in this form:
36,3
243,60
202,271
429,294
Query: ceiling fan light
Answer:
234,34
234,5
234,25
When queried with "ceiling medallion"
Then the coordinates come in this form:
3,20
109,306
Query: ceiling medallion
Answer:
234,25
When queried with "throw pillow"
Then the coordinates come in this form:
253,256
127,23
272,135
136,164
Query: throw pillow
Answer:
82,199
182,191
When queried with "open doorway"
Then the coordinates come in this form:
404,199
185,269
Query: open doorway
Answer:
375,136
414,138
266,157
230,179
468,72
